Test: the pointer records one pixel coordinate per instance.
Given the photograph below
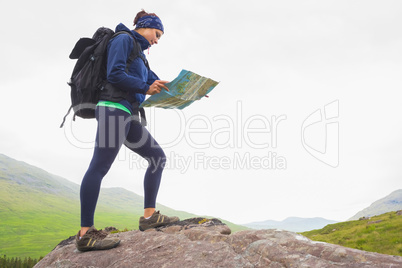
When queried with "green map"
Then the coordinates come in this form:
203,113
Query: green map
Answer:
186,88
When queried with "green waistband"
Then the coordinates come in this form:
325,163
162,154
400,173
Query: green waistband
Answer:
114,105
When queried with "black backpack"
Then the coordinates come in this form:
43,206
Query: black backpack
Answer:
88,79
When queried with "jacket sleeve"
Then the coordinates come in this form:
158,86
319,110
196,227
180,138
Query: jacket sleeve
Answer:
119,50
152,77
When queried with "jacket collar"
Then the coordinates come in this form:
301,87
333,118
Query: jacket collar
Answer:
140,39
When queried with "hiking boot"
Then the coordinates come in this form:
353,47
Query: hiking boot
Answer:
156,220
95,240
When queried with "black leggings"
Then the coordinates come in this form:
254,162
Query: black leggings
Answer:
116,127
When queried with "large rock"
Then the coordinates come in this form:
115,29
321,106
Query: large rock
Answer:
209,243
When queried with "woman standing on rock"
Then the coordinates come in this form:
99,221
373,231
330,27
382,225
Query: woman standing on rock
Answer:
118,124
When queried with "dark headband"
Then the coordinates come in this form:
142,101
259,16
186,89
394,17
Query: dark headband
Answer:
150,22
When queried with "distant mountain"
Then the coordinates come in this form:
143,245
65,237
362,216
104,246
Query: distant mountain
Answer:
38,209
392,202
293,224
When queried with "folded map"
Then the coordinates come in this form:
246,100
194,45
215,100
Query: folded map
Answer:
186,88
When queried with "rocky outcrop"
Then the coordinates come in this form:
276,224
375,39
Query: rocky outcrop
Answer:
209,243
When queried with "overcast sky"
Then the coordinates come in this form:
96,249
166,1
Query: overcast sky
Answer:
306,120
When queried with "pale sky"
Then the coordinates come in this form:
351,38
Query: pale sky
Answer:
306,120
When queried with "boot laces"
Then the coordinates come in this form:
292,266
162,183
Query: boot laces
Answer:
97,234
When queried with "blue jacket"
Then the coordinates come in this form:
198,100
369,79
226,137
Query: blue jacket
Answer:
139,77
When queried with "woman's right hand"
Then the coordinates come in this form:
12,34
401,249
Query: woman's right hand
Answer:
157,87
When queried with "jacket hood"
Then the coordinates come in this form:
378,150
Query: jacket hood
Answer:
140,39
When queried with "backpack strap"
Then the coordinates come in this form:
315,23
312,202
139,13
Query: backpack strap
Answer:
135,53
64,118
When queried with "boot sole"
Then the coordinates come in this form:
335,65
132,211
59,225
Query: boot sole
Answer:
152,226
93,248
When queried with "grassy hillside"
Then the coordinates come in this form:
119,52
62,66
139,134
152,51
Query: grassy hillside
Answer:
38,209
382,234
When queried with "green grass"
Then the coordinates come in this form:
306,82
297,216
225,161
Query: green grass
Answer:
33,223
38,210
382,237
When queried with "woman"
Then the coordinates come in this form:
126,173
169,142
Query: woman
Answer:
118,124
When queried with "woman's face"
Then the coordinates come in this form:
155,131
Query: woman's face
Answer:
151,34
